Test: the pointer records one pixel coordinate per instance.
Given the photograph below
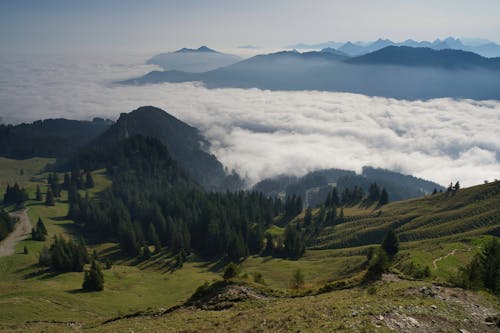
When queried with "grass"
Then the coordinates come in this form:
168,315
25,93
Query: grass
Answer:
432,227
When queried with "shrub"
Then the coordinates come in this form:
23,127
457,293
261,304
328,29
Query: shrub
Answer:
258,278
231,271
297,279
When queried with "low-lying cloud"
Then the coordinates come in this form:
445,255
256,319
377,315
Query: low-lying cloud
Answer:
263,133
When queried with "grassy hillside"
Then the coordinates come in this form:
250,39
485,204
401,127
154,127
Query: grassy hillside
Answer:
446,216
441,231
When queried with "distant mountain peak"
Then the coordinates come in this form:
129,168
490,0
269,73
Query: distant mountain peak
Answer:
200,49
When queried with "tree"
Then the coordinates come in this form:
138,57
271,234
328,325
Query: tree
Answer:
231,271
39,196
384,197
308,217
25,250
39,232
457,186
89,181
377,265
93,279
489,259
153,237
390,244
40,226
434,191
294,246
297,279
49,198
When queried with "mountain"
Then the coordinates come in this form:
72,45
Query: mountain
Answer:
49,138
427,57
480,46
394,72
315,186
352,49
193,60
184,142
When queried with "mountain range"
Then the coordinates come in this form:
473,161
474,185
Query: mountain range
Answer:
482,47
393,71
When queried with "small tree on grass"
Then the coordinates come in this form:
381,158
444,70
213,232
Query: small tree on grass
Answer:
297,279
93,279
25,250
377,265
231,271
390,243
49,198
39,196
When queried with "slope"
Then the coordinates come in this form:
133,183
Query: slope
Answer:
184,143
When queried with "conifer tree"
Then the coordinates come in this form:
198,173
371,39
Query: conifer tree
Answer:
49,198
390,244
89,181
39,196
93,279
308,217
297,279
384,197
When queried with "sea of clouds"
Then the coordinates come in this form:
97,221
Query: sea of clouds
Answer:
263,133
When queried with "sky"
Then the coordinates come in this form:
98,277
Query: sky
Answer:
97,25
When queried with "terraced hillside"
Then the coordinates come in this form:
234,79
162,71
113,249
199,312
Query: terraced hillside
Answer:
449,216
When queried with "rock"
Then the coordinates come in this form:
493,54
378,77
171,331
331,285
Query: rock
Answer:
434,307
463,330
413,321
380,317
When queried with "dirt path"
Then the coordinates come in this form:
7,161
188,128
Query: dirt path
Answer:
21,231
452,253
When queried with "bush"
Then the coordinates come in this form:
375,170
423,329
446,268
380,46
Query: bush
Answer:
416,271
390,243
231,271
258,278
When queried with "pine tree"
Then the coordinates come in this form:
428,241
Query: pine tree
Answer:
89,181
390,244
49,198
384,197
25,250
41,227
457,186
297,279
377,265
308,217
94,278
39,196
153,237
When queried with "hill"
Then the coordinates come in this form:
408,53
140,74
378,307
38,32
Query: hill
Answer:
455,215
314,187
193,60
441,231
186,145
396,72
49,137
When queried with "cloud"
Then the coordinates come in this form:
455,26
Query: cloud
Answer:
263,133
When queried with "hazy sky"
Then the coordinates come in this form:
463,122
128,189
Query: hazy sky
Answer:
68,25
